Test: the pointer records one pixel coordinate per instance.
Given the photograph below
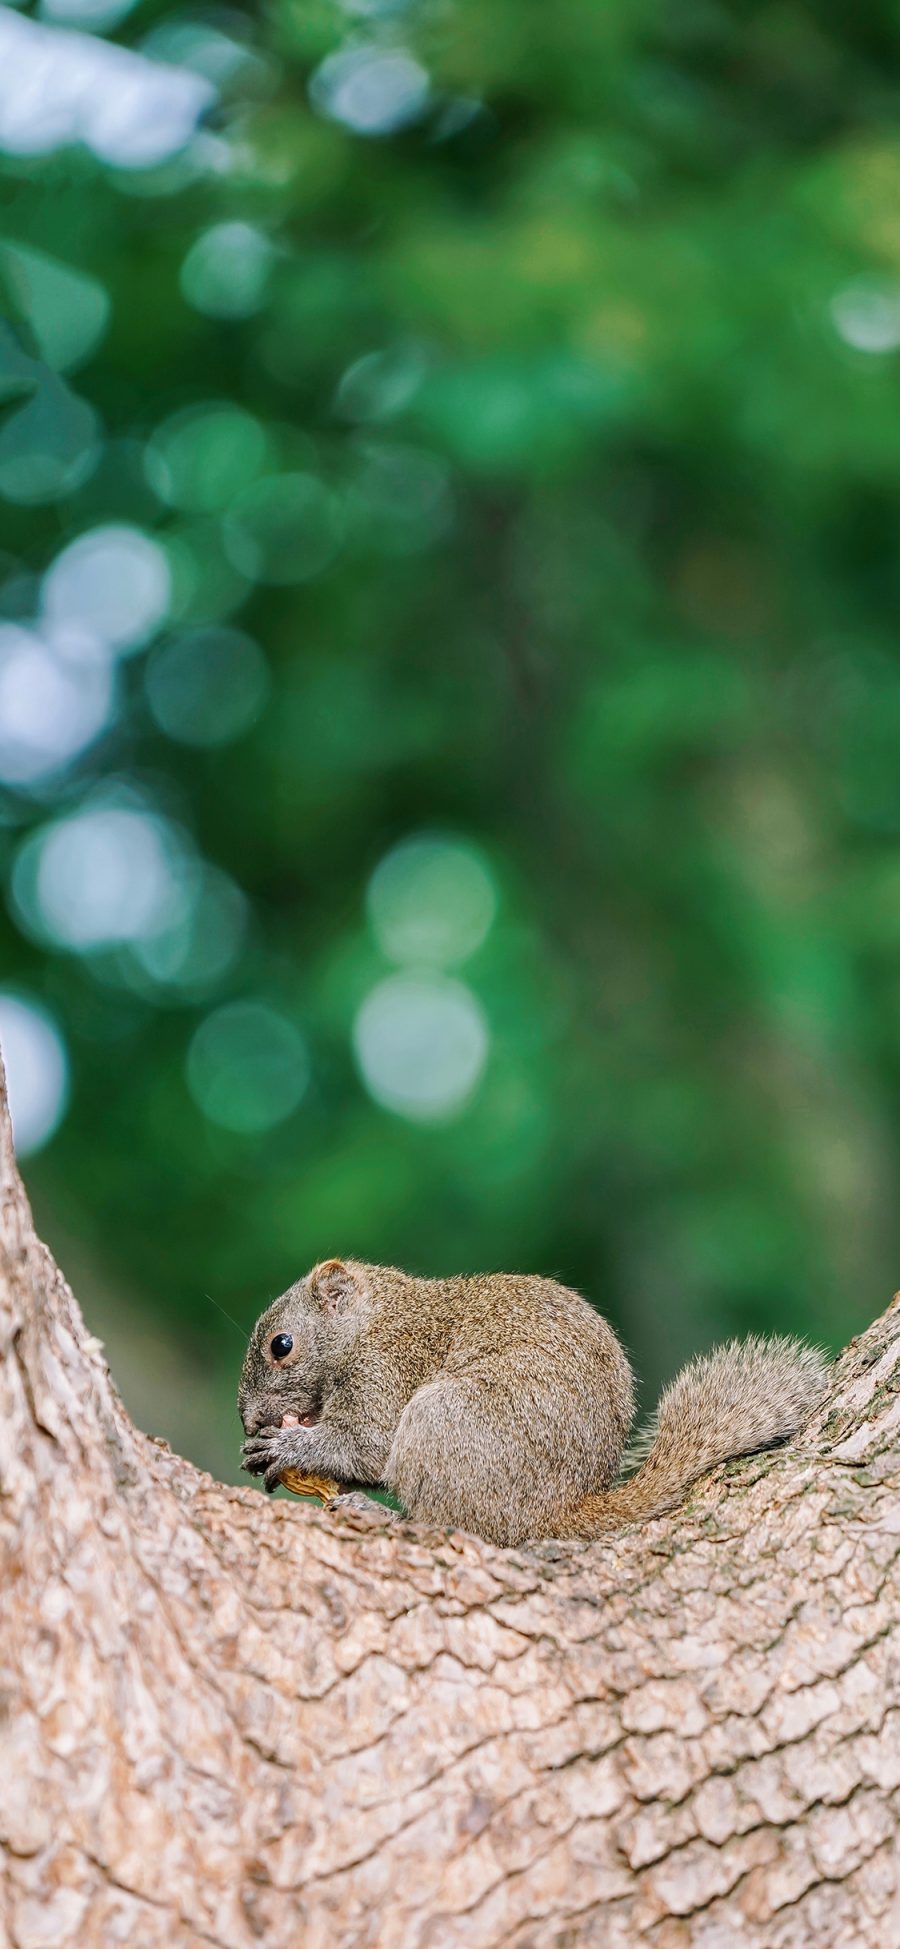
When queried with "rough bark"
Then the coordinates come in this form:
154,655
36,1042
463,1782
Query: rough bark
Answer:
235,1722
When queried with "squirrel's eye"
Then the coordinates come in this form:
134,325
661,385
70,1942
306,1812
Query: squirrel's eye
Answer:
281,1346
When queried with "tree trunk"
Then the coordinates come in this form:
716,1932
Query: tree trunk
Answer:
237,1722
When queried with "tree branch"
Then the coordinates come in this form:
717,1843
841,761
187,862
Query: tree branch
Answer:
232,1721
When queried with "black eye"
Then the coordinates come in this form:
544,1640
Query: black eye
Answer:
281,1346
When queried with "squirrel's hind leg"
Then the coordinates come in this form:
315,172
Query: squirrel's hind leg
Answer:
463,1457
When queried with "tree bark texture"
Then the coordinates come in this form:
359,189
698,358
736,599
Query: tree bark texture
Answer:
234,1722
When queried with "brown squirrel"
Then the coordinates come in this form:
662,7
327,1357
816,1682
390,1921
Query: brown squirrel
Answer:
498,1404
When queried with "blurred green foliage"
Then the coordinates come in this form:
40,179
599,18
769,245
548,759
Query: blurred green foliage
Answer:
449,692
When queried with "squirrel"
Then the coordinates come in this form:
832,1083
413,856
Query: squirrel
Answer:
498,1404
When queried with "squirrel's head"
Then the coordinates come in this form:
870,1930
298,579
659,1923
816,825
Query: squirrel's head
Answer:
297,1346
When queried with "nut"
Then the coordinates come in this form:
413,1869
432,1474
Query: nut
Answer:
310,1485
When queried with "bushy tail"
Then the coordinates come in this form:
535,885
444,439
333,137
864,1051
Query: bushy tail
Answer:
746,1395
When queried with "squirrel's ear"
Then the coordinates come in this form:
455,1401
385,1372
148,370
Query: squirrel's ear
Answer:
334,1285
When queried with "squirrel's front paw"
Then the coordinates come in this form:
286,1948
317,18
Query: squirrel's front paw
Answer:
270,1452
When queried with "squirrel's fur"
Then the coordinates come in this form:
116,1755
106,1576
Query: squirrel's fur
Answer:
499,1403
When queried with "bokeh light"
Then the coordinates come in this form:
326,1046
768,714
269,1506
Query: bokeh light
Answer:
37,1070
58,86
867,315
68,312
284,529
48,446
248,1067
116,878
52,707
207,686
100,15
106,874
114,581
373,89
201,942
381,384
200,458
192,41
421,1042
226,271
431,900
